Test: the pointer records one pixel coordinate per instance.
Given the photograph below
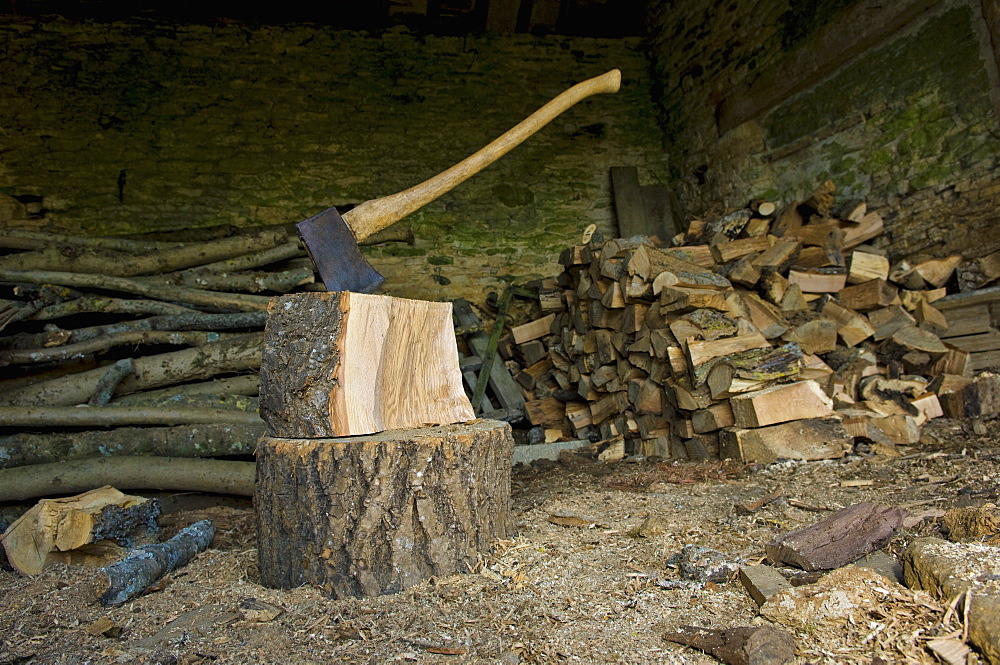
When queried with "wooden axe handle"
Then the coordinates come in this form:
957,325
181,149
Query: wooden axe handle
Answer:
375,215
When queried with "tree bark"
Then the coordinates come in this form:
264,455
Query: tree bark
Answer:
144,565
218,440
134,473
369,515
113,416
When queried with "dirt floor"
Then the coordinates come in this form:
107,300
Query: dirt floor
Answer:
589,576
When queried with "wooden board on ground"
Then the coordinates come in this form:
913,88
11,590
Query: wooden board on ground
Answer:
342,364
370,515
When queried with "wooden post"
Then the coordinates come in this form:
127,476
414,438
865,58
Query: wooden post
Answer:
369,515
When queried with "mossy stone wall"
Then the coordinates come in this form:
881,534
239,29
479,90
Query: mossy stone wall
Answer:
911,125
138,127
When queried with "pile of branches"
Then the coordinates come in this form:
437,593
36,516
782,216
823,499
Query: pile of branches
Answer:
159,339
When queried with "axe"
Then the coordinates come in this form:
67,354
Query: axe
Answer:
331,239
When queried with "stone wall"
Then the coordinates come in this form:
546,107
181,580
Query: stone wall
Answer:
909,120
139,127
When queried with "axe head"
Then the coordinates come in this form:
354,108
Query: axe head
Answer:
332,246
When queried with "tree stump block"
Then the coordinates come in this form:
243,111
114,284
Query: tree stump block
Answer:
370,515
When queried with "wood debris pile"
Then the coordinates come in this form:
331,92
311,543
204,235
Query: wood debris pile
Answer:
760,335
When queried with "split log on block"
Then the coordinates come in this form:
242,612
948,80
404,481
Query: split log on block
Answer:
816,438
342,363
865,266
370,515
852,327
868,295
843,537
61,525
145,565
781,403
533,330
817,281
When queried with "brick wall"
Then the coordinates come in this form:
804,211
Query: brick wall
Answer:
134,127
908,119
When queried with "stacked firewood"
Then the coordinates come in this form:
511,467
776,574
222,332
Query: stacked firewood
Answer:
759,335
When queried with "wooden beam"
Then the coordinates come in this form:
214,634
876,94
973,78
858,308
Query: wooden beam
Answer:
501,16
629,208
855,31
990,38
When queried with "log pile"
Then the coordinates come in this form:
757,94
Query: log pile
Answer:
161,334
763,334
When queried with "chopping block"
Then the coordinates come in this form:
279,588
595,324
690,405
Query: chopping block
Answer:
373,475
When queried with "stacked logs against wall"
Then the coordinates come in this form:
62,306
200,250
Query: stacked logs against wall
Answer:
161,335
761,335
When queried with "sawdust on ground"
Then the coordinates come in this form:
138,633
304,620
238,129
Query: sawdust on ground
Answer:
589,588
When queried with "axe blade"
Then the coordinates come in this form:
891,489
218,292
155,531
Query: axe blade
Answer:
334,250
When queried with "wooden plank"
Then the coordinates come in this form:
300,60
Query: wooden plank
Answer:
501,16
661,218
629,208
968,320
855,31
544,15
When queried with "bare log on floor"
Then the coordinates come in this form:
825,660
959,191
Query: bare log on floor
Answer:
188,441
398,506
237,355
111,416
339,364
233,301
144,565
843,537
135,473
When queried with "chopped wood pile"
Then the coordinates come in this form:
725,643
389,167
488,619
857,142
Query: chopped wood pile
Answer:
760,335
